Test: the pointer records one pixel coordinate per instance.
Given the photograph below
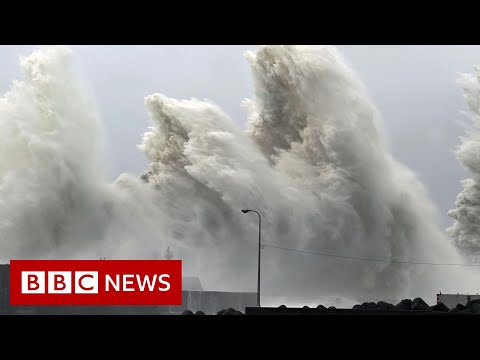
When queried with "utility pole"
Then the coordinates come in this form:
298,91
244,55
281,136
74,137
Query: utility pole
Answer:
259,250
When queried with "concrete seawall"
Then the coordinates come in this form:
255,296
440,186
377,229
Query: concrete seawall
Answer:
210,302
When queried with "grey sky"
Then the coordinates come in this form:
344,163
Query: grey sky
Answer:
413,86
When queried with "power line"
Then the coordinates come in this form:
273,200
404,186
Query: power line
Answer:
366,259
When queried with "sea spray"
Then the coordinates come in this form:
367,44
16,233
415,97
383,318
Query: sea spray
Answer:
311,161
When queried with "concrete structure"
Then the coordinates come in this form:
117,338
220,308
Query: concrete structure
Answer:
210,302
451,300
191,283
193,298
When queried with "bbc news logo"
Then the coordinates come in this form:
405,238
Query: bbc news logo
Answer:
95,282
59,282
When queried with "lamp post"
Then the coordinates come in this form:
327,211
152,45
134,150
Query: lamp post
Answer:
259,248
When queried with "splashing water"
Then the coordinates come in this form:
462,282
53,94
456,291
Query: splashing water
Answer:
311,161
465,231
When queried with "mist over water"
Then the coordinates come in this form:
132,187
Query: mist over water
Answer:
311,160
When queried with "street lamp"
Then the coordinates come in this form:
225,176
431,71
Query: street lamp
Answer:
259,248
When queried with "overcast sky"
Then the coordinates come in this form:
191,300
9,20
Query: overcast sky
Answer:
413,86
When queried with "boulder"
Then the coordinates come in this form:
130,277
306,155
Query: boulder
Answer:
237,312
199,313
382,305
221,312
475,307
460,307
420,305
282,307
187,312
471,302
321,307
440,307
369,306
405,304
357,307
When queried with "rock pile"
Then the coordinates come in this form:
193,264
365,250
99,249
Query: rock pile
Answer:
472,306
417,304
229,311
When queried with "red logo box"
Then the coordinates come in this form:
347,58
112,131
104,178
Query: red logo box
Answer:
95,282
